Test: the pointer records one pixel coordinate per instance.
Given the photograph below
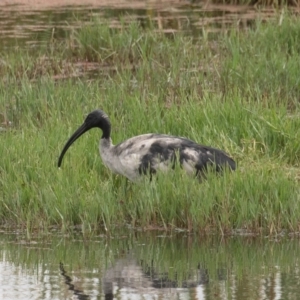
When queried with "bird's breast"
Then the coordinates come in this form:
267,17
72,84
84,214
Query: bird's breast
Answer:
124,162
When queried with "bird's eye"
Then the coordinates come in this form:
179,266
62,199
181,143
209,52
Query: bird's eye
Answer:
88,118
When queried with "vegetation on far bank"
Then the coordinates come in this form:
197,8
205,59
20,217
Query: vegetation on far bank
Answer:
238,92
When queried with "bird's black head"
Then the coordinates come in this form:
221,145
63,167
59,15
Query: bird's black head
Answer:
96,118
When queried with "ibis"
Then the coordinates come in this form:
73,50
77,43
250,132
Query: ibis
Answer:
149,153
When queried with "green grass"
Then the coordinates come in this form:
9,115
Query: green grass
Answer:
241,96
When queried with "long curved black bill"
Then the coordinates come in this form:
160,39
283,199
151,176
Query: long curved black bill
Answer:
80,131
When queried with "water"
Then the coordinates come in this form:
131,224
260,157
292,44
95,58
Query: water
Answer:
151,265
27,26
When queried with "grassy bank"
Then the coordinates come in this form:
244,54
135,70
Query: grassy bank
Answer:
239,93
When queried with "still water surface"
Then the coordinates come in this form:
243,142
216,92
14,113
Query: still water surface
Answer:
139,265
23,25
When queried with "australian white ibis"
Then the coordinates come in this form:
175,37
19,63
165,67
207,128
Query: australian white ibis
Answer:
148,153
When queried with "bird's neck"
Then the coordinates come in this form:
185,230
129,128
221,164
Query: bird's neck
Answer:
107,153
106,127
105,143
